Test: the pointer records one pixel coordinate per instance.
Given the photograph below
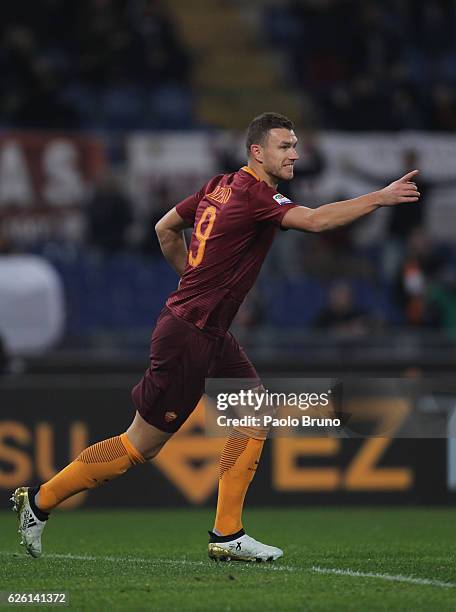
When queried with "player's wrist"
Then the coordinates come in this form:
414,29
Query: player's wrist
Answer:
378,198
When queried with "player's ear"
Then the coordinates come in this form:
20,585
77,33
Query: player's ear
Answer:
256,151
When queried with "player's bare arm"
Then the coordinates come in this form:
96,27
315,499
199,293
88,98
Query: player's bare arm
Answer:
337,214
170,233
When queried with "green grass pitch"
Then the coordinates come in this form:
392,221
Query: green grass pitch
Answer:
335,559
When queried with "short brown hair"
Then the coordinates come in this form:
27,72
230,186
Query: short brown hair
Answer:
259,127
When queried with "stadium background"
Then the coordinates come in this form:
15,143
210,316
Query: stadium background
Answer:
112,111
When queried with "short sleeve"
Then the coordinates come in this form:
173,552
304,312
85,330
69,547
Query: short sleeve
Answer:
266,204
187,208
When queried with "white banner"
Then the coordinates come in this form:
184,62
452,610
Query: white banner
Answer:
183,162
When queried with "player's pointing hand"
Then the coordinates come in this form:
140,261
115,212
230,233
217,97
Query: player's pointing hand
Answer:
400,191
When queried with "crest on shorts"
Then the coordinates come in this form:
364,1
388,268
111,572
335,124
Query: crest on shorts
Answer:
170,416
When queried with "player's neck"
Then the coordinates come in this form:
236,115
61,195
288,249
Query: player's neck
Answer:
260,174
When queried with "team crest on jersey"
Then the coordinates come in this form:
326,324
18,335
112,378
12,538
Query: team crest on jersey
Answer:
220,194
281,199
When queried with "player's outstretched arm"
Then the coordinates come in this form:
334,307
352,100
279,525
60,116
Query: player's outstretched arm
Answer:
337,214
171,237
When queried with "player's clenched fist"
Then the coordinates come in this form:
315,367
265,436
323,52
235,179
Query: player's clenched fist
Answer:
402,190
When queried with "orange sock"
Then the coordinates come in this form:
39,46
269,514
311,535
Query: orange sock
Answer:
96,465
238,464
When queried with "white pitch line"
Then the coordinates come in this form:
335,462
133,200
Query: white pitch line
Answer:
263,566
392,577
157,562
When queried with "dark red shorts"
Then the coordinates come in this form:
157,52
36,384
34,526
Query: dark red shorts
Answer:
182,357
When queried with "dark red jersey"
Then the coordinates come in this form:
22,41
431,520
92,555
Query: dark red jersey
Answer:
234,217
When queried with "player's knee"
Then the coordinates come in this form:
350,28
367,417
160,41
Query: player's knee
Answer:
147,439
148,447
152,451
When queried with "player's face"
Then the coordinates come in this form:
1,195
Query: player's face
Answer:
279,153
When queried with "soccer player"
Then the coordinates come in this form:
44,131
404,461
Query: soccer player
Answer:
234,219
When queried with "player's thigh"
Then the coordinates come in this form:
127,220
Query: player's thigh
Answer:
233,362
174,383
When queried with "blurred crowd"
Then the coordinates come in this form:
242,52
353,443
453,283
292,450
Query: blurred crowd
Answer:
401,279
120,64
360,64
324,282
370,64
92,64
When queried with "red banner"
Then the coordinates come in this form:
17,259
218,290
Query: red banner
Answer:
44,180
